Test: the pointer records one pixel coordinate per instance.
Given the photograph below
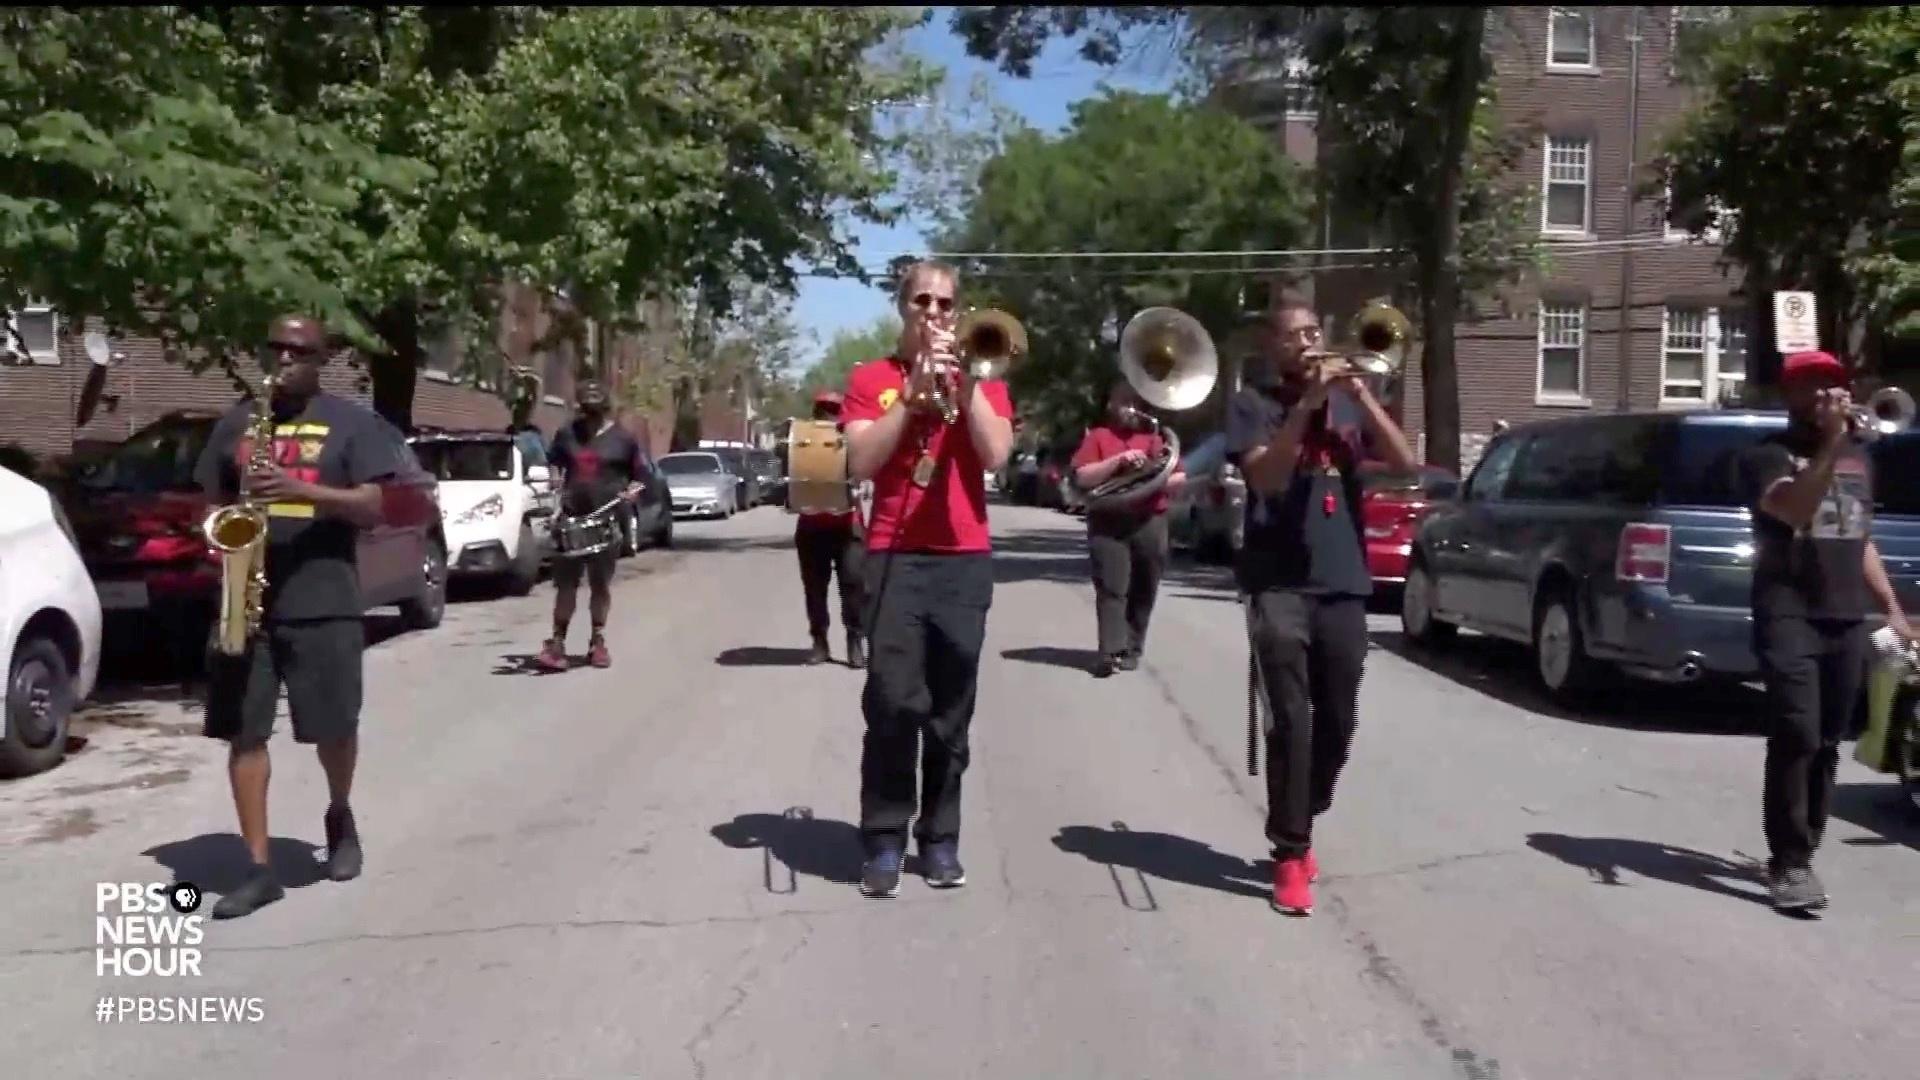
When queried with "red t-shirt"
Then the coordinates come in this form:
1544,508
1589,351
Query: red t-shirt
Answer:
1103,442
949,515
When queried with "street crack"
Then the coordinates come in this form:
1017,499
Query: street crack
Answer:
739,992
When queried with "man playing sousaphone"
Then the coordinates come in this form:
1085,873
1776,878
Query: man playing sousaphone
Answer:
1127,544
598,462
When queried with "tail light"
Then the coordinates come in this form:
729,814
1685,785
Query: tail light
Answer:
1646,553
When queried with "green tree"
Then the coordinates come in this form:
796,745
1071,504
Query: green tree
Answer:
1412,137
135,193
848,349
1132,173
1804,155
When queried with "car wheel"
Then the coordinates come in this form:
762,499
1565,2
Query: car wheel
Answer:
1417,620
425,610
1559,656
663,537
39,703
526,563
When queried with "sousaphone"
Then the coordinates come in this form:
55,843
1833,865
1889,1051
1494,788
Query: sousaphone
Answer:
1170,361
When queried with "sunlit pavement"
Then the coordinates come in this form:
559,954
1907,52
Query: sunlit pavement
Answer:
647,871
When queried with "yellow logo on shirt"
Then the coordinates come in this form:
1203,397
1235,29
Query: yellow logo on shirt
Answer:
887,398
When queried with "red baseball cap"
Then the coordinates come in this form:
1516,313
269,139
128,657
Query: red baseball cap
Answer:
1810,365
827,397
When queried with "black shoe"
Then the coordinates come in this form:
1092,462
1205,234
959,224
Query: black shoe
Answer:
856,652
260,889
343,845
940,864
819,654
1106,666
1128,661
1796,889
880,877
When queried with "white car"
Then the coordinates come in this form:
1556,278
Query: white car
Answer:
49,627
496,502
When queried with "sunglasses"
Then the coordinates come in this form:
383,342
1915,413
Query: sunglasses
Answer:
927,300
286,350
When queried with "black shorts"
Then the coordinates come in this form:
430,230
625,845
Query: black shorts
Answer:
599,570
318,661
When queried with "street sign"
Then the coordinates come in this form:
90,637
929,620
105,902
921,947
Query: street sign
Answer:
1795,323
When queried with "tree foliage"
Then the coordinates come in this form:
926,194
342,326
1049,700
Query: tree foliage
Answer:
848,349
1804,155
1132,173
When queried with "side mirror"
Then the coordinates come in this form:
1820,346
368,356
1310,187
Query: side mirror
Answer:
539,474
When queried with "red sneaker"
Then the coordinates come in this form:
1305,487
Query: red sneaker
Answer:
553,656
1313,867
597,654
1291,896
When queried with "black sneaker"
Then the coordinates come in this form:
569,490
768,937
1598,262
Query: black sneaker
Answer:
343,845
856,652
880,877
940,864
819,654
1129,661
1796,889
1106,666
260,889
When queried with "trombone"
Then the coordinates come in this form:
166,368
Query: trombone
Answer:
1380,336
989,344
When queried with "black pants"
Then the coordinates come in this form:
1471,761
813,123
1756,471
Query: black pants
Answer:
1128,555
826,550
1311,651
1815,670
927,618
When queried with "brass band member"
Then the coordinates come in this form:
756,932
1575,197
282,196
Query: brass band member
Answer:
598,462
929,580
1300,434
1127,545
329,457
828,544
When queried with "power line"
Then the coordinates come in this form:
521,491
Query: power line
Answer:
1549,242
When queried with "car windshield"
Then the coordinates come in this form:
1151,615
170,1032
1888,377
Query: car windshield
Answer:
156,460
453,461
690,465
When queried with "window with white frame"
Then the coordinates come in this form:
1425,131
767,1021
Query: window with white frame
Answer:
33,335
1565,201
1563,352
1570,38
1703,355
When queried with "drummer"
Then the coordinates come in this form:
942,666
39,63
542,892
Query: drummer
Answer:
598,461
832,542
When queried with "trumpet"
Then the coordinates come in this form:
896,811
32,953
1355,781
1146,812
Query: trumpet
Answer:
1888,411
988,344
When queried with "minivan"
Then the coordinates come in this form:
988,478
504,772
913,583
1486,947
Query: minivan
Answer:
1624,541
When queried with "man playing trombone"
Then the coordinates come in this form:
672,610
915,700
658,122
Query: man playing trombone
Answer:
1301,432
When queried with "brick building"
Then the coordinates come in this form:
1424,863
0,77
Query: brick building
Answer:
1599,87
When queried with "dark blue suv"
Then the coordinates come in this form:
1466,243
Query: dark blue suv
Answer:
1624,540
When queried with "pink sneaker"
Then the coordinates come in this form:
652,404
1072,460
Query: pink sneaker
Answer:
1313,867
1291,895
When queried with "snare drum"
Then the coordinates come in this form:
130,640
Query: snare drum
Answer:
817,468
586,535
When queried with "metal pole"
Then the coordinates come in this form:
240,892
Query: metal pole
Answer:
1623,323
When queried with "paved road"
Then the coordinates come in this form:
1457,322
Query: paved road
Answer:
646,872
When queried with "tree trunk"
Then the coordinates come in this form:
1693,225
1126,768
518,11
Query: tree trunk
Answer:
396,372
1437,257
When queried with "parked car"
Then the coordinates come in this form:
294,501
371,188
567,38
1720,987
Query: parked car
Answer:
1208,514
137,515
648,520
497,504
1623,540
747,491
703,486
772,476
1391,505
49,627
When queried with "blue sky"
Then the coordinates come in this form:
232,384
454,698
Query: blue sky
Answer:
1060,78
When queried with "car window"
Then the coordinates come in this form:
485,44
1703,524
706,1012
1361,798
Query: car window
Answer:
1611,461
160,458
1896,475
1702,464
1490,477
452,461
689,464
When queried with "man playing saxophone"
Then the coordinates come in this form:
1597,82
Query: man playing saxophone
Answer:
318,482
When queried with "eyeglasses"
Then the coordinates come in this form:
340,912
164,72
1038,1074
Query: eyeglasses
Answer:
928,300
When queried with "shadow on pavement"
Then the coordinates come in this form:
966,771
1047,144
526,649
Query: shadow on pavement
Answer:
529,664
685,542
1062,556
1167,857
1503,670
1603,858
762,656
1077,659
1880,808
218,862
816,847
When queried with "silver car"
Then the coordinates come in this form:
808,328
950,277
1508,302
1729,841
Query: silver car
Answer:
1208,514
702,484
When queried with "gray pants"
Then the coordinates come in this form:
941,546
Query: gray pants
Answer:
1128,557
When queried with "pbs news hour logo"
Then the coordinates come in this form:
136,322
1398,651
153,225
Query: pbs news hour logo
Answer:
142,929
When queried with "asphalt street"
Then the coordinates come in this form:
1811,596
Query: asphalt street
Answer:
648,871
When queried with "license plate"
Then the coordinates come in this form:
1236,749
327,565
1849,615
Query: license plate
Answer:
123,595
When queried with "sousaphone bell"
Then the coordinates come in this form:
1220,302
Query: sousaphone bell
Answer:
1170,361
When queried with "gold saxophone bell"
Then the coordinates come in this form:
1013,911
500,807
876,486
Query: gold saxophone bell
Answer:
238,534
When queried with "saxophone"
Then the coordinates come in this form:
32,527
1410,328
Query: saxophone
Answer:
238,533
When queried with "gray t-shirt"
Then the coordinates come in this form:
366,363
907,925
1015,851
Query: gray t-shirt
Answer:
1306,537
1819,572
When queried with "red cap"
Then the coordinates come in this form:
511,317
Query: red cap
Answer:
1807,365
827,397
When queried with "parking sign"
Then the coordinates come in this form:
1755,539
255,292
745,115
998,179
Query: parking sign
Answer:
1795,324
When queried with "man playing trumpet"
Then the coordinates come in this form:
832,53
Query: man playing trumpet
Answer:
1301,433
924,431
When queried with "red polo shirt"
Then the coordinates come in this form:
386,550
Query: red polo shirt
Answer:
1104,442
949,515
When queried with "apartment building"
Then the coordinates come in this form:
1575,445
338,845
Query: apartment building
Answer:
1628,314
